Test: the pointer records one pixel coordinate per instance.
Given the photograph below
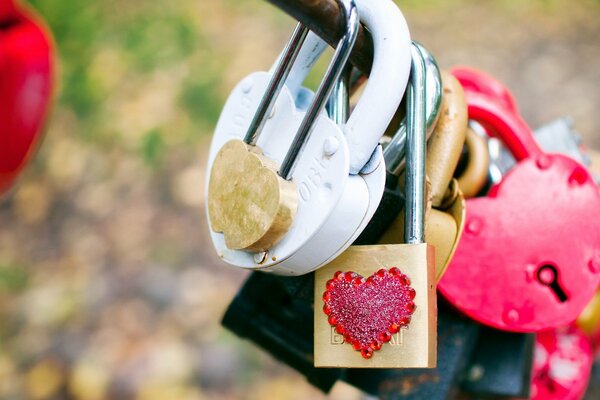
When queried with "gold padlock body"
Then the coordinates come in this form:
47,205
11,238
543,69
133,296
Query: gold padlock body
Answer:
414,346
247,200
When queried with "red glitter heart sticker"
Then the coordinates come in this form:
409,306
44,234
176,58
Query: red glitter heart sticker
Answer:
367,312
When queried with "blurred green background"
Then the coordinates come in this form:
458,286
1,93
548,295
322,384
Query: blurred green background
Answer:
109,286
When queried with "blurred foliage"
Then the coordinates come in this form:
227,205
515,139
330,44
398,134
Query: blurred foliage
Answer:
109,287
12,278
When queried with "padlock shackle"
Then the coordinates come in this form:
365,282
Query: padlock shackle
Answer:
338,104
477,81
280,75
334,71
416,142
395,150
506,125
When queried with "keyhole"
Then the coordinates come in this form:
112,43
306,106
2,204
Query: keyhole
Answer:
548,276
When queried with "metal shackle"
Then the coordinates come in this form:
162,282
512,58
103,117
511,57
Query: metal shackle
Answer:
394,151
416,143
280,75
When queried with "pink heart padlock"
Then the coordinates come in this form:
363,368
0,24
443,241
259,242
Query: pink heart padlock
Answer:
562,365
529,258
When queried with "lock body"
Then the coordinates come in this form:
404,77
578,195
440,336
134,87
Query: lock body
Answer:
413,346
518,278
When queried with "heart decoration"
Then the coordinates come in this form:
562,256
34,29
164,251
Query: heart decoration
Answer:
367,312
247,201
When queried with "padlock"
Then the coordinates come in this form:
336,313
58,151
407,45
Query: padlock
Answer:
26,86
375,306
562,365
508,271
335,203
255,218
474,174
444,225
392,201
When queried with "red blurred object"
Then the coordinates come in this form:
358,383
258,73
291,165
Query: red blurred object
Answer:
26,84
529,258
562,365
479,82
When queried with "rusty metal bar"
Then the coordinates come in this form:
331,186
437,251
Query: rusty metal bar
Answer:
324,18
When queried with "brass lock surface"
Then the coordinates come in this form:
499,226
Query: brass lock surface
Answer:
248,201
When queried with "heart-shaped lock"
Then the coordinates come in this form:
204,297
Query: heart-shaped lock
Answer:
562,365
529,259
26,82
339,174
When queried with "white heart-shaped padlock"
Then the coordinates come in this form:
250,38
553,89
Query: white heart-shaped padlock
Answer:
339,172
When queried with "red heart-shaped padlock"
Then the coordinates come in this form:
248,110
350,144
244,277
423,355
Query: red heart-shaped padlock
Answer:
529,258
26,81
562,365
367,312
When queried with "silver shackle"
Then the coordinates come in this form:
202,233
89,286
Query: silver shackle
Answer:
281,73
416,143
394,151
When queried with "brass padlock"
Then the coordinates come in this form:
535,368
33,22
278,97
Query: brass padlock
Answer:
475,174
444,224
380,301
